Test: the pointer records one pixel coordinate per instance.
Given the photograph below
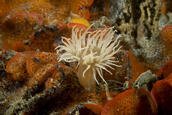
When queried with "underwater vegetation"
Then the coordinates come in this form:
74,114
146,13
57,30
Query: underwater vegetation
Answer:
85,57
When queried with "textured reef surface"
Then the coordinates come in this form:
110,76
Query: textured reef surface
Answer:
85,57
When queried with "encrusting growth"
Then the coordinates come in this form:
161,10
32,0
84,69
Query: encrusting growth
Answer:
93,51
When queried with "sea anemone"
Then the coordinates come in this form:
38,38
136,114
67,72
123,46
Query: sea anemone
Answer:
93,51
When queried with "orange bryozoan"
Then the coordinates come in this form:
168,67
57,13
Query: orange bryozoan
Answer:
93,51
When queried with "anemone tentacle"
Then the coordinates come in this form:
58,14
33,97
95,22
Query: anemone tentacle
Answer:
94,51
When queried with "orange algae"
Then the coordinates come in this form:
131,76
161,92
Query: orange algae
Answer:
60,10
52,81
73,8
20,46
94,108
131,102
9,5
166,36
43,41
27,64
30,15
38,60
162,91
19,24
137,67
80,7
166,6
165,70
16,66
166,33
41,74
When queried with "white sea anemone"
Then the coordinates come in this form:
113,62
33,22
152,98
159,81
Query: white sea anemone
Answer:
93,51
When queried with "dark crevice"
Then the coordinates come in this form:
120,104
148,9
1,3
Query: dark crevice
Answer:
136,13
127,18
148,32
152,12
145,12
